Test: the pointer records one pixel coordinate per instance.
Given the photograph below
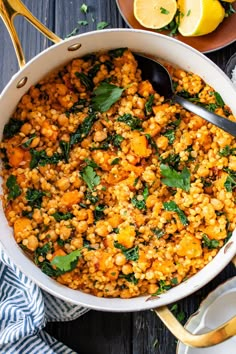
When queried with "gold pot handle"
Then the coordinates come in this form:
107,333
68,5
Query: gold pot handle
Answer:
216,336
11,8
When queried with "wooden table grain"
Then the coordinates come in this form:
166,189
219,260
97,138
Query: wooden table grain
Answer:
101,332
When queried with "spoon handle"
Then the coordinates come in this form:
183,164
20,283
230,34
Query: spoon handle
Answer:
223,123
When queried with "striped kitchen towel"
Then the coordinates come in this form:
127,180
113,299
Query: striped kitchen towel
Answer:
24,312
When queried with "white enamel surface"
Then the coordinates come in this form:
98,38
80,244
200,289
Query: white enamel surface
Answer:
140,41
217,308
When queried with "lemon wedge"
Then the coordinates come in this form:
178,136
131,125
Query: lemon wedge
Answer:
199,17
154,13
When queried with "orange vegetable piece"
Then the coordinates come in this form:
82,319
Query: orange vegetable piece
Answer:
139,145
126,236
22,225
70,198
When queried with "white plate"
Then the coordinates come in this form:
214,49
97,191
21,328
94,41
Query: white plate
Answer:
217,308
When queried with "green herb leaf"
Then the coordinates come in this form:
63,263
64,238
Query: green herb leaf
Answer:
174,178
34,197
209,243
172,160
149,104
58,216
27,143
158,232
99,212
141,203
164,11
115,161
68,262
219,99
105,95
131,254
129,277
65,148
133,122
230,182
90,177
162,288
13,188
170,134
152,143
172,206
85,80
12,128
84,8
227,151
83,23
83,130
117,53
101,25
41,158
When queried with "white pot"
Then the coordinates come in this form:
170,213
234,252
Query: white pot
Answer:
150,43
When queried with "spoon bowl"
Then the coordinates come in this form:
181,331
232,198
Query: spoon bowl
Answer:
161,81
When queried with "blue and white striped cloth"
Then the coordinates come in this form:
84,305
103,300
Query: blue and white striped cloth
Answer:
24,311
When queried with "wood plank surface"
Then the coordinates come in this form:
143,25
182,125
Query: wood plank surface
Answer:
100,332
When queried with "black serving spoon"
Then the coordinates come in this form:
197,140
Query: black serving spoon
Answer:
161,81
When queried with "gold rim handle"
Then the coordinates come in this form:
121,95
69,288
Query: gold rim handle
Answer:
9,9
216,336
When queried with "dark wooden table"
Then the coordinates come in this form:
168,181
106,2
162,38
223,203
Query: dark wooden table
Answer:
100,332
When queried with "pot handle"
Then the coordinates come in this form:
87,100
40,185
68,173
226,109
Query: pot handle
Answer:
11,8
216,336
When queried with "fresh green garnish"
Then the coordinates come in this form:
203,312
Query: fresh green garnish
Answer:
13,188
27,143
117,140
101,25
84,8
130,278
91,163
152,143
172,206
219,99
68,262
149,104
83,130
230,182
133,122
188,13
12,128
170,134
85,80
77,107
172,159
105,95
180,315
99,212
34,197
164,11
90,177
131,254
227,151
115,161
58,216
162,288
209,243
141,203
83,23
117,53
65,148
174,178
158,232
40,158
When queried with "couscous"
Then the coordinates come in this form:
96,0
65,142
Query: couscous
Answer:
110,188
